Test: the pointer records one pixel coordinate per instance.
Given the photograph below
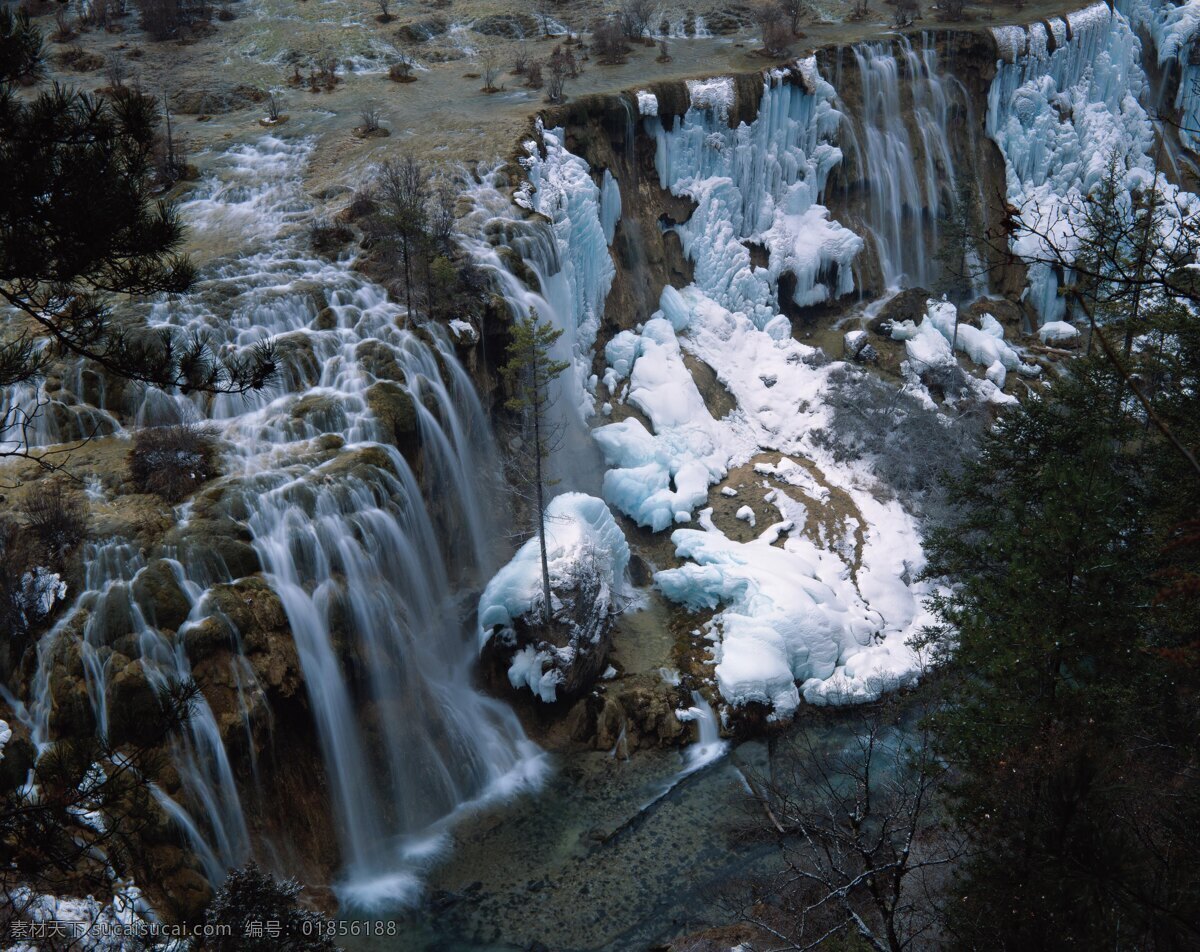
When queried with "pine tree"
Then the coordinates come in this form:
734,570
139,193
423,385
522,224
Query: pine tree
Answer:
1069,772
529,372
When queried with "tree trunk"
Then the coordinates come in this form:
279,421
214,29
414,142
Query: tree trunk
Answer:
541,512
407,281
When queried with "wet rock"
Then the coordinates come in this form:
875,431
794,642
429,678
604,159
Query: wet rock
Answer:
159,596
908,305
1005,311
378,359
397,414
513,26
635,713
19,752
134,712
418,31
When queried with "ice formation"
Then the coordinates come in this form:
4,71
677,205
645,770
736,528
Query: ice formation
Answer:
762,183
647,103
1059,112
659,478
561,189
1174,30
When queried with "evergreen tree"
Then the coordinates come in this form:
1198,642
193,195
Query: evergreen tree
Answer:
529,372
22,57
262,914
1070,772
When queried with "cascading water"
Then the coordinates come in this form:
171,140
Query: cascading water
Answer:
898,144
374,585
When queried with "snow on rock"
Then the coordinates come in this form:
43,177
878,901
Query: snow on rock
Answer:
647,103
746,514
787,614
659,477
560,187
5,737
928,348
715,95
588,558
1056,331
463,331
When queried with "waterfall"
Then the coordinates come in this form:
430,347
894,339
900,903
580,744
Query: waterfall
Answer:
376,586
708,747
899,145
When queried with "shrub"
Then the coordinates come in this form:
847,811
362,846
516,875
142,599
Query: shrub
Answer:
56,516
370,118
401,71
910,446
251,896
172,461
325,235
608,41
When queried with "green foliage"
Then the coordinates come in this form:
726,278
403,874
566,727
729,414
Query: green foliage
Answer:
529,369
78,225
1071,734
22,56
262,915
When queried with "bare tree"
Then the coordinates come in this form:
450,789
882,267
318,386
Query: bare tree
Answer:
442,216
370,117
520,64
533,75
274,106
558,68
116,71
544,11
608,41
860,836
489,61
794,10
385,11
403,190
773,25
635,17
401,71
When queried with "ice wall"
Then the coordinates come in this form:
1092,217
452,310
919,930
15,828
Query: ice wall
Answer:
1063,104
759,183
1174,31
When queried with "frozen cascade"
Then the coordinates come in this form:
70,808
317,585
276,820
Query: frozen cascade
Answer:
381,617
1174,29
759,183
899,147
575,278
1059,108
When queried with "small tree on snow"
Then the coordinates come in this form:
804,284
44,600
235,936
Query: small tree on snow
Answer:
529,372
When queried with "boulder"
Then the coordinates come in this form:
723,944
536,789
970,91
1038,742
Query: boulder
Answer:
908,305
160,597
397,414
